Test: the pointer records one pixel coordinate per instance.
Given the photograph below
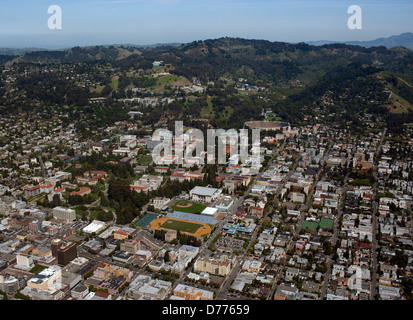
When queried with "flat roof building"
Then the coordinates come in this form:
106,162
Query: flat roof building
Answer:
45,278
210,212
94,227
188,250
191,293
66,253
212,266
65,214
204,194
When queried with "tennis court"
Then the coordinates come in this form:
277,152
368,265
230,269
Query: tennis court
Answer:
147,219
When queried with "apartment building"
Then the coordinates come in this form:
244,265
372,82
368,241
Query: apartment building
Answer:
212,266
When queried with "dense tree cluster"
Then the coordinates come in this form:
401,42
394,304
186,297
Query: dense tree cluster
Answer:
127,202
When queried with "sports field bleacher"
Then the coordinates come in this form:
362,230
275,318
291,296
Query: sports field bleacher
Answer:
191,217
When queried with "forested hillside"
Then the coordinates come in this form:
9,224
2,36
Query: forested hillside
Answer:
290,80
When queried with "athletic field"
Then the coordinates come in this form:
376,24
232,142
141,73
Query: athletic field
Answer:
191,228
188,207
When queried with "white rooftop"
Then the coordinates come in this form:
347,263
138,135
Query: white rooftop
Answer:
188,248
209,211
204,191
94,226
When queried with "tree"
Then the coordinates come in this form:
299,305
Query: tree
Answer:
183,239
103,200
127,201
159,234
56,201
327,247
107,90
166,257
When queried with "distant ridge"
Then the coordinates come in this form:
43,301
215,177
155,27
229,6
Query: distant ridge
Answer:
22,51
208,52
18,52
402,40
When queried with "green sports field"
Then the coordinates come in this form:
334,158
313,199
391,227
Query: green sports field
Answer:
326,223
188,207
310,224
181,226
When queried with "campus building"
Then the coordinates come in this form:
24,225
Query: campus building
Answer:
205,194
65,214
44,279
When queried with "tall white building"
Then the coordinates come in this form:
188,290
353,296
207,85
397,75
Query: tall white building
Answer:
66,214
24,261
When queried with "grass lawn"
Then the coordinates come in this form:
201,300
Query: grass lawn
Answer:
208,111
194,208
166,80
114,83
145,160
274,118
181,225
81,212
98,89
310,225
37,269
326,223
399,104
94,214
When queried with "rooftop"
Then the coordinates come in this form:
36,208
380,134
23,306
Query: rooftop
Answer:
204,191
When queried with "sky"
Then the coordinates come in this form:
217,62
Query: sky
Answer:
24,23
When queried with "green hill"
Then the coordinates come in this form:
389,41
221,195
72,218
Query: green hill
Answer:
291,80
